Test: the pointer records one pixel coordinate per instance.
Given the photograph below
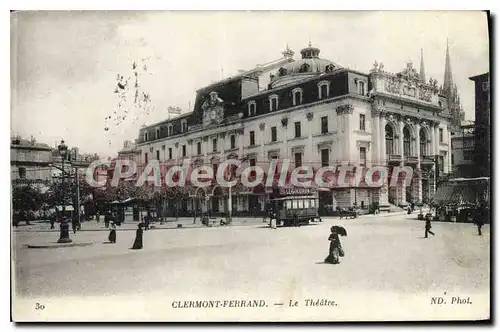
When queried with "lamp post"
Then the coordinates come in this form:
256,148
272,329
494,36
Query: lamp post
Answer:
64,226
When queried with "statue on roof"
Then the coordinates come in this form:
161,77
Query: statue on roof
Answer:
213,109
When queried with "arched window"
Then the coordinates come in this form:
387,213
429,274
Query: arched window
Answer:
406,142
329,68
389,140
423,142
297,96
282,72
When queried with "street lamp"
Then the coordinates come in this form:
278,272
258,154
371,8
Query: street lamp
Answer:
64,226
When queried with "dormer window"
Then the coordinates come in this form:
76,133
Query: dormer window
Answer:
361,87
273,103
297,96
146,136
157,133
329,68
304,68
281,72
252,108
323,89
184,126
170,129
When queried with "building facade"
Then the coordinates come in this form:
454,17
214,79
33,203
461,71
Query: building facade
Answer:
483,124
30,162
463,149
314,111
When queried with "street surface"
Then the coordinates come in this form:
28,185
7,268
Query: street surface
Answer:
384,255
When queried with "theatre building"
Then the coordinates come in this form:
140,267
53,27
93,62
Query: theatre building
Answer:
313,111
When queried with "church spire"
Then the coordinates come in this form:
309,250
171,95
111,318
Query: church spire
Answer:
422,67
448,77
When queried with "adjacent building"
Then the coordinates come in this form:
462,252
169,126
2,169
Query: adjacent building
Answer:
482,124
315,111
30,162
463,149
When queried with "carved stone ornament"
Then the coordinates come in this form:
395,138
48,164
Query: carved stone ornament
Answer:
310,116
222,135
425,94
151,149
376,111
205,139
392,85
163,147
344,109
176,144
262,126
190,141
284,122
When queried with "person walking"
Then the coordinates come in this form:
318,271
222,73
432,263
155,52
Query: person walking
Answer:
112,233
107,217
479,219
428,226
138,237
273,220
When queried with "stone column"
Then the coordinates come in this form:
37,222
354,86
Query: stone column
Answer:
310,118
384,190
240,136
383,157
401,189
376,139
262,138
284,130
344,113
419,179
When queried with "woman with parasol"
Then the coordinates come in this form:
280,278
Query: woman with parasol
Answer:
335,251
138,237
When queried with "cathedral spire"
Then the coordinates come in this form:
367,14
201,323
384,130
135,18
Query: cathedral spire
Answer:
422,67
448,77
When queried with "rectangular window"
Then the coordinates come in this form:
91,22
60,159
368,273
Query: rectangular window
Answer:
22,173
252,162
233,141
169,153
298,159
252,138
274,134
157,154
146,157
157,133
441,139
441,164
325,157
297,129
145,136
274,104
362,122
452,159
324,124
324,91
214,145
362,156
215,167
361,88
183,150
198,148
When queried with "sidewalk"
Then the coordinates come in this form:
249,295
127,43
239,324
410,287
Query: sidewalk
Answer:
130,225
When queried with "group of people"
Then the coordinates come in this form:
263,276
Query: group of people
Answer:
139,232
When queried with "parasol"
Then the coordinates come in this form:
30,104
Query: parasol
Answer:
339,229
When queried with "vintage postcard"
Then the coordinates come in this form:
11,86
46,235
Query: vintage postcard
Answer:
320,166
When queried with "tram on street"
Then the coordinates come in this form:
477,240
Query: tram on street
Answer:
296,206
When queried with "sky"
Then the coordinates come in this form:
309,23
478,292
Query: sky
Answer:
64,65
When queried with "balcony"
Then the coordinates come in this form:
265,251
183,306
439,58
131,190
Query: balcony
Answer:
411,159
427,160
393,157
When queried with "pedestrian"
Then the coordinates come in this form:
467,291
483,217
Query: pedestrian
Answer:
147,220
97,217
112,233
335,250
412,206
52,220
74,225
479,220
295,220
107,217
138,237
409,210
273,221
428,226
